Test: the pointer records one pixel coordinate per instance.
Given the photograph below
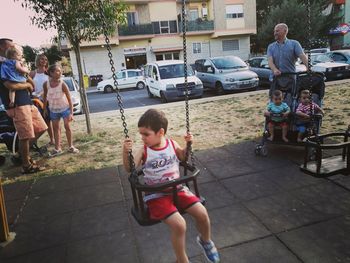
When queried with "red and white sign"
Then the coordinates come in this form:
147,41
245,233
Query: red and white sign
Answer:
343,29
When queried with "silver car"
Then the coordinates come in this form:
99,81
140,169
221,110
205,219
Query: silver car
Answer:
75,95
225,74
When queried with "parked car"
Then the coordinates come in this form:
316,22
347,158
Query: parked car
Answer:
128,78
225,74
75,95
331,69
261,67
165,79
342,56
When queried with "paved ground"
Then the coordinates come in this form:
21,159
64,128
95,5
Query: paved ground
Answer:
262,210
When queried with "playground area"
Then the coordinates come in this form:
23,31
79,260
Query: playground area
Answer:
262,210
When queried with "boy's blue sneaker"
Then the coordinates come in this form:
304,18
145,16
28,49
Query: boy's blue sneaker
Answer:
210,251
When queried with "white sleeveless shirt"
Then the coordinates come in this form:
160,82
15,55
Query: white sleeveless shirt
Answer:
160,165
39,80
57,98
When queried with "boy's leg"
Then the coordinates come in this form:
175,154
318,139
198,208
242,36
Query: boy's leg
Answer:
284,132
177,225
271,127
200,214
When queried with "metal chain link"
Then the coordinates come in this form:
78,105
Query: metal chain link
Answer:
308,8
184,31
119,98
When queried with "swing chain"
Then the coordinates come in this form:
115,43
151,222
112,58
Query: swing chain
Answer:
308,8
189,150
119,98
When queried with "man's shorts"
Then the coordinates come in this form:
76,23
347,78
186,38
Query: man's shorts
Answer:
27,120
278,123
58,115
163,207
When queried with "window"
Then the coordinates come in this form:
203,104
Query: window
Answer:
149,71
154,72
174,71
193,14
164,27
255,63
338,57
132,74
230,45
121,75
168,56
132,18
197,48
234,11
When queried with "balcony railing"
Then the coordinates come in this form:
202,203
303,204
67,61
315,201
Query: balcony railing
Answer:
198,25
132,30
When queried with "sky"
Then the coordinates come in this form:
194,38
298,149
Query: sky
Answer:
15,24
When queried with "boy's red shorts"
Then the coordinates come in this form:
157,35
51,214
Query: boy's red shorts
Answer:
163,207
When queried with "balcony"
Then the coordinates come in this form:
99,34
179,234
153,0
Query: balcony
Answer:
198,25
134,30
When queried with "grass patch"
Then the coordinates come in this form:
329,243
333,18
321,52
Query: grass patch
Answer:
213,123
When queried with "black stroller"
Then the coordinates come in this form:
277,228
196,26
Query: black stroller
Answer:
291,84
8,135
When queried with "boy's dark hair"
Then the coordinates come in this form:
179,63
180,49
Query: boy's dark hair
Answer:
154,119
277,93
305,92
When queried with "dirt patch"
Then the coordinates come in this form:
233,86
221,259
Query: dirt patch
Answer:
215,123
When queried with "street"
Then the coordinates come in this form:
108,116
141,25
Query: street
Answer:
99,101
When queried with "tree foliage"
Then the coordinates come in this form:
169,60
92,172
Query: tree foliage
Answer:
29,54
53,54
77,20
294,14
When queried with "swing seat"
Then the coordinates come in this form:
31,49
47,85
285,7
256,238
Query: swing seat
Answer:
324,167
138,188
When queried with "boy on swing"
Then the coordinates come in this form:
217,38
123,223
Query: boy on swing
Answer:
160,159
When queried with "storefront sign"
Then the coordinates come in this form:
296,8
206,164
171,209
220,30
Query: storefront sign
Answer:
343,29
135,50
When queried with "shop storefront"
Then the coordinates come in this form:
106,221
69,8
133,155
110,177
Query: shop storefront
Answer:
135,57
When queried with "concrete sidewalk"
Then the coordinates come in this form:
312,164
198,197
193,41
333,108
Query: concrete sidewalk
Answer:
261,210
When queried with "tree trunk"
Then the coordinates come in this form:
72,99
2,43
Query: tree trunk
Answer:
82,92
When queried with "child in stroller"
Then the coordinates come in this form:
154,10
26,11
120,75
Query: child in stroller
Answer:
313,82
277,112
305,110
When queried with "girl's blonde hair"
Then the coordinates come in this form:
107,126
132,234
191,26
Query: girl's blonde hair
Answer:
12,51
52,68
37,60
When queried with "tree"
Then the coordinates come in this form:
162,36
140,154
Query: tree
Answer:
53,54
294,14
77,20
29,54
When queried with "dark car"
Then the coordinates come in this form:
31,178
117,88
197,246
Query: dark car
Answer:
261,67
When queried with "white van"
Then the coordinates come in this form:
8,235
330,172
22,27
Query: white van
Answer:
165,79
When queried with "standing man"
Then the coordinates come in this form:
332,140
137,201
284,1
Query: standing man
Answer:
283,53
27,120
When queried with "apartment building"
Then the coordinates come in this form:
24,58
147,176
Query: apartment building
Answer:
154,32
340,36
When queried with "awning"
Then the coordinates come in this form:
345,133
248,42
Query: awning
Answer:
166,49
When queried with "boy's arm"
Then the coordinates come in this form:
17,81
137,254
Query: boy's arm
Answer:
18,85
181,152
21,68
127,146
